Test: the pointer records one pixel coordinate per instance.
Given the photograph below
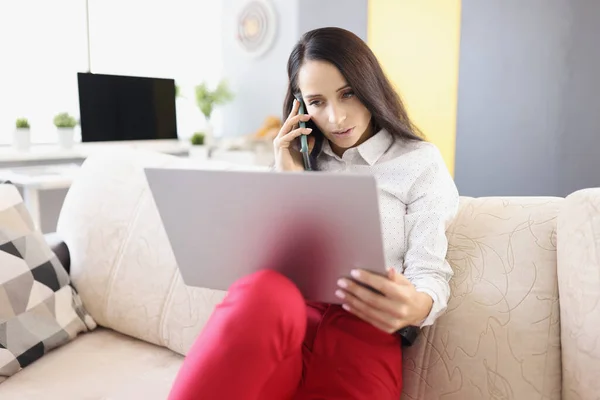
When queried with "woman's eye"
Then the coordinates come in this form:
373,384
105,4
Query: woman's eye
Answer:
347,95
315,103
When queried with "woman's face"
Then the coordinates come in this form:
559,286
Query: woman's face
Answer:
333,107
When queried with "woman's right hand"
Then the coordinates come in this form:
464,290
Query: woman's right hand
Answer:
287,158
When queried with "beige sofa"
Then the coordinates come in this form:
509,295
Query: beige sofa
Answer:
506,335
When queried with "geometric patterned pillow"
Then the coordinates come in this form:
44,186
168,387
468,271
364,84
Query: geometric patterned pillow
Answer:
39,310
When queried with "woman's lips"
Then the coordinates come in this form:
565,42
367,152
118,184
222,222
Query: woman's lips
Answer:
347,132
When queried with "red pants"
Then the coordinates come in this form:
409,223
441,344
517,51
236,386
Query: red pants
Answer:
265,342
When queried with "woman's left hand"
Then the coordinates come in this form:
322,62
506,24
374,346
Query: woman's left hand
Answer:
399,305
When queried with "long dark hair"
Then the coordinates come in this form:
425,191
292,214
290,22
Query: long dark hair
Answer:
357,63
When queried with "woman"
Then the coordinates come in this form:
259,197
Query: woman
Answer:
264,341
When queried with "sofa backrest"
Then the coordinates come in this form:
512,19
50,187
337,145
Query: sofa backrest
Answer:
499,338
121,261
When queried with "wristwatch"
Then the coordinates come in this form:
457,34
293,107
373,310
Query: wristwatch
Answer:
408,335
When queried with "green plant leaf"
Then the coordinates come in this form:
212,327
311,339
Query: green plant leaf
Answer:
207,99
22,123
197,139
64,120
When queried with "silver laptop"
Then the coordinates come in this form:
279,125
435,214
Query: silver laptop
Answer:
312,227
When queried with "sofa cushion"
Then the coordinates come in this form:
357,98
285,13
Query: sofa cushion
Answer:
500,338
99,365
39,310
579,288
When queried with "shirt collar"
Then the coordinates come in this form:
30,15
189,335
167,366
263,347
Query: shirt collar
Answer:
371,150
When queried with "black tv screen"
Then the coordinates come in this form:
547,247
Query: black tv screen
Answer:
114,108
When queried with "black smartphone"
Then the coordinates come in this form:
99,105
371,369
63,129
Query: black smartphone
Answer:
303,138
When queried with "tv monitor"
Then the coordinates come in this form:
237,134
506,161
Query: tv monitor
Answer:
116,108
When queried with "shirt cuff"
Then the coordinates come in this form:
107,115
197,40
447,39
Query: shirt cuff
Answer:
436,309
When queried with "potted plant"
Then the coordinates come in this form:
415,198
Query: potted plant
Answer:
65,128
22,135
198,149
207,99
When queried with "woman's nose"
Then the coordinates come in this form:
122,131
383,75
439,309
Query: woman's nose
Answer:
337,115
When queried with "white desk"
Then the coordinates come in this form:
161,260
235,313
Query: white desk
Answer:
33,179
61,169
45,166
52,152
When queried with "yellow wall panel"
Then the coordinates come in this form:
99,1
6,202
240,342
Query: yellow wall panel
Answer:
417,42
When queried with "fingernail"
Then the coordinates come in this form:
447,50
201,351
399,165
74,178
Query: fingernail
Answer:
308,130
342,283
346,307
340,294
355,273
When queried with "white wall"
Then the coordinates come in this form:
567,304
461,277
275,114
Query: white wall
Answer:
177,39
191,41
43,46
260,84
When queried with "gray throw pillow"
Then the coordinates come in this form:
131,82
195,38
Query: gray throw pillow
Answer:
39,309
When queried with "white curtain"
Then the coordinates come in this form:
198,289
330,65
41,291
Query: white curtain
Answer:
43,45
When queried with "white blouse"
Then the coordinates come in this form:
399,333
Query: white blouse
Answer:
417,199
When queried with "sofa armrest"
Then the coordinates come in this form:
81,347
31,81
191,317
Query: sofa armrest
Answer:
578,254
59,247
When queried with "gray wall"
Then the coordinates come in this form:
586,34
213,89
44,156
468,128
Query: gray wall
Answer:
528,120
580,141
351,15
259,84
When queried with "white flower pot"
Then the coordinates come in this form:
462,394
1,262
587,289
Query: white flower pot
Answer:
209,134
22,139
199,152
66,137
